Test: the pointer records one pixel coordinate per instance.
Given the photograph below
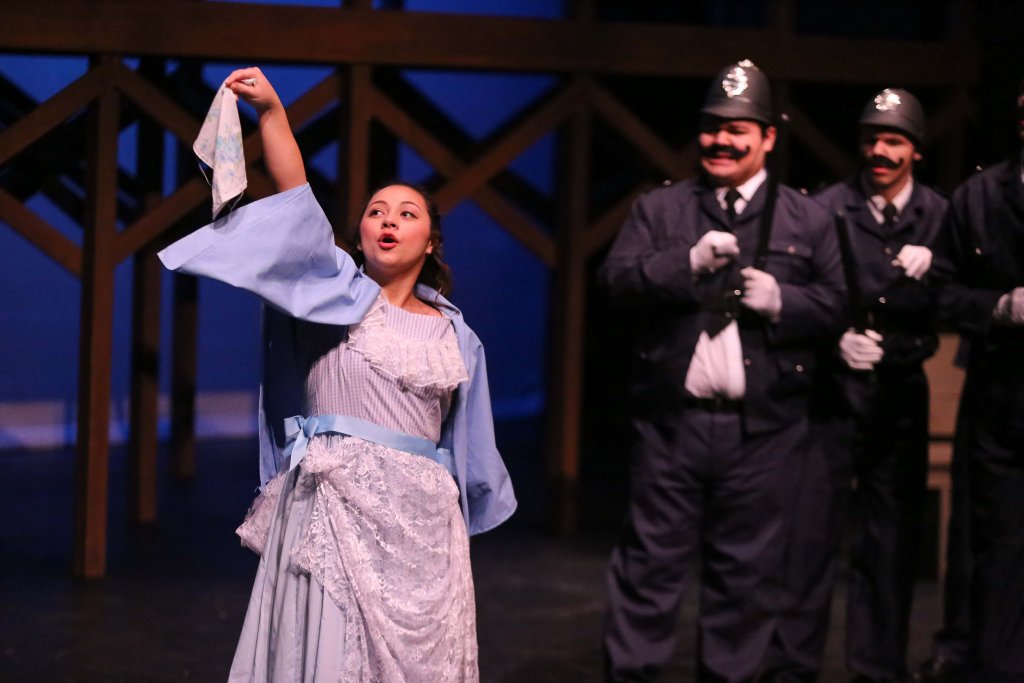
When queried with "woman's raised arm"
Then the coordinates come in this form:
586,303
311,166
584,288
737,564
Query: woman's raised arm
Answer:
281,153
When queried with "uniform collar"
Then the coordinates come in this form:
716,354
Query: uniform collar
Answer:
746,190
876,202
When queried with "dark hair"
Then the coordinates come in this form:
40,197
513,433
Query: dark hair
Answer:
435,272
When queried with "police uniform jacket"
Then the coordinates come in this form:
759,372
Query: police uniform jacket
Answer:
648,272
901,308
980,257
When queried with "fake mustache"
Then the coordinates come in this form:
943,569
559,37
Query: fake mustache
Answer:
885,162
729,151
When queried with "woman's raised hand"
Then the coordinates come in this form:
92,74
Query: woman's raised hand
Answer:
281,154
253,87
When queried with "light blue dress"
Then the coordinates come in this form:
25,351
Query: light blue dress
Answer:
364,572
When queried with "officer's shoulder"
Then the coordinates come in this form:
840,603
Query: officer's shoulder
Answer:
667,188
980,178
826,194
932,193
800,199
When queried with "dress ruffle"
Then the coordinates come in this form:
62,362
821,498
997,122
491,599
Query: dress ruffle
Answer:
382,532
428,366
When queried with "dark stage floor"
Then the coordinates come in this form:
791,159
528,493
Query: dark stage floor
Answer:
172,603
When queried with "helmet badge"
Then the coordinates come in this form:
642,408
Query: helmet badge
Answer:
736,81
886,100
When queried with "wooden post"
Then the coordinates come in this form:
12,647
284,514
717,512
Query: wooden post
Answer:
184,325
145,369
96,341
353,179
961,26
145,386
568,321
183,376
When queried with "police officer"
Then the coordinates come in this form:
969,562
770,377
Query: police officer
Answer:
728,308
980,260
951,643
870,421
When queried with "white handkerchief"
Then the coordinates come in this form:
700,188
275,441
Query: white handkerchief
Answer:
219,146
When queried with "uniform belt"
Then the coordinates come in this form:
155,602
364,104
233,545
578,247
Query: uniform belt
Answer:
299,430
715,404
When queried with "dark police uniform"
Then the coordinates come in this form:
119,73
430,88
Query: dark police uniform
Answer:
981,257
712,478
872,427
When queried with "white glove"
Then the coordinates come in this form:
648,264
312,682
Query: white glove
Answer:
1010,309
861,351
914,260
713,250
761,293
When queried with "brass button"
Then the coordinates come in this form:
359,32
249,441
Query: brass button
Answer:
888,251
791,249
881,299
747,362
799,368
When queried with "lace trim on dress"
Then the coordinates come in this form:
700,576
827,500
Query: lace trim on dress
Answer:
256,527
386,540
433,366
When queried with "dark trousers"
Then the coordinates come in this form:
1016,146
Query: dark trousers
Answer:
996,475
882,444
700,488
952,639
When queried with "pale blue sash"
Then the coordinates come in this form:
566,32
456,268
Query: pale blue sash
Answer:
299,430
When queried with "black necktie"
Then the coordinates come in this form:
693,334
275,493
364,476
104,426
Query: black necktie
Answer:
731,196
889,215
722,310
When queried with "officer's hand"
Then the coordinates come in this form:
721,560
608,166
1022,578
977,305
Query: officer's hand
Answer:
861,351
1010,309
713,250
914,260
761,293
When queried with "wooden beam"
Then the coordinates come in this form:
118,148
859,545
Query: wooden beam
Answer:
145,386
950,124
96,340
355,123
604,230
502,152
183,375
156,104
54,111
568,316
44,236
145,362
164,213
627,124
448,164
255,32
820,144
184,342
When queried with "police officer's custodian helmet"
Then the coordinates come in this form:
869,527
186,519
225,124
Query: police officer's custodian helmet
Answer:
740,91
897,109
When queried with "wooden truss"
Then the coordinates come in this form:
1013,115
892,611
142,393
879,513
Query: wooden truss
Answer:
362,45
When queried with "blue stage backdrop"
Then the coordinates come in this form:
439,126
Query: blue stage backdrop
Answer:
501,288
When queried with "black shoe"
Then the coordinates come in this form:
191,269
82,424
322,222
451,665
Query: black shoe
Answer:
939,670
